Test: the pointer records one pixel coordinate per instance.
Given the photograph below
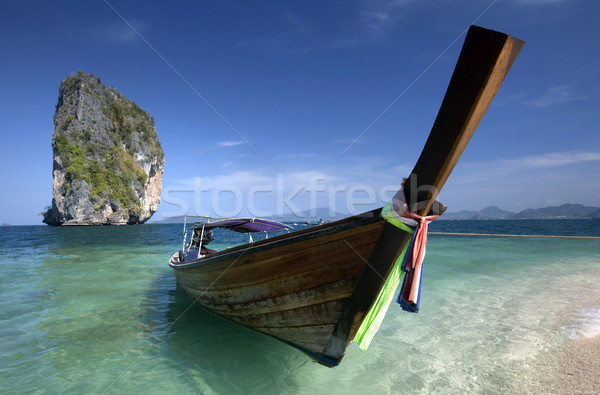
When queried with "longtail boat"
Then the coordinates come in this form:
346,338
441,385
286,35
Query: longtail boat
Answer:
313,288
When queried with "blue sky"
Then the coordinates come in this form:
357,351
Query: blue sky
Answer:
258,105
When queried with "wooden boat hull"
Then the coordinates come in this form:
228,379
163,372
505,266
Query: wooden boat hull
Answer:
292,288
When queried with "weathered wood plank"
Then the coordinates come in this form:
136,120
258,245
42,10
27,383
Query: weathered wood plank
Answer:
261,267
309,337
320,313
340,289
284,285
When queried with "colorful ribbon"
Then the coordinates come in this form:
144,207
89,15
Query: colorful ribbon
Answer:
410,261
412,264
410,291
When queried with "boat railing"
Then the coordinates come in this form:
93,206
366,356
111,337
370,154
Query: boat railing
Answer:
199,238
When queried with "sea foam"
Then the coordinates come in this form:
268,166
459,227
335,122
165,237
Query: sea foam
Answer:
585,325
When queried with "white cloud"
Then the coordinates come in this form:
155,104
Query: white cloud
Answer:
532,179
476,172
555,95
349,142
120,33
529,181
377,16
276,190
230,143
553,159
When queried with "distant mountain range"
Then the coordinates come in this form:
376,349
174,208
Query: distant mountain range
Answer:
576,211
568,210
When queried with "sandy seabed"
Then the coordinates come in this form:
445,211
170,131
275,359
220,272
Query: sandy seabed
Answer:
570,365
574,369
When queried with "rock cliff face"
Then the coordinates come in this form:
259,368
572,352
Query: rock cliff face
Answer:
108,162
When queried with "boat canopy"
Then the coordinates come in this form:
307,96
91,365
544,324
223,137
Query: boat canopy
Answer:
246,225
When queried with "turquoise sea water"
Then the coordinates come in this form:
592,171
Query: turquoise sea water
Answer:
97,310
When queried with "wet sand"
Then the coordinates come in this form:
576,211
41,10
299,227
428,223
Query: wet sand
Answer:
575,369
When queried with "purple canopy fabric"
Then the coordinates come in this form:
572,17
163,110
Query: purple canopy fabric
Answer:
247,225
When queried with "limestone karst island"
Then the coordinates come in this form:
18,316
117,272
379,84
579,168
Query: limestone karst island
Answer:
108,161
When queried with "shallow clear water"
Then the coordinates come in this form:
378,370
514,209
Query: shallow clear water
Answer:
97,309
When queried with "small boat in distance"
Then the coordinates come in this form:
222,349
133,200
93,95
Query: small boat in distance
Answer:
315,287
313,223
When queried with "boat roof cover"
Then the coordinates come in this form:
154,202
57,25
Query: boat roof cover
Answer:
247,225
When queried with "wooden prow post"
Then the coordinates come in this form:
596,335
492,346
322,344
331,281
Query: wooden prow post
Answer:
484,62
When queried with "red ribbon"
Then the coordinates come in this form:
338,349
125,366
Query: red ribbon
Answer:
417,255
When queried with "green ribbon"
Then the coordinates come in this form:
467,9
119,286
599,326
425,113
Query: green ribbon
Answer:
374,317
